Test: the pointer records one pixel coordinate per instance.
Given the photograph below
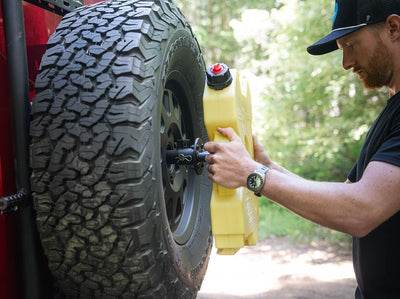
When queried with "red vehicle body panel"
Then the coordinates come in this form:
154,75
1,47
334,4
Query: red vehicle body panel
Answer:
39,24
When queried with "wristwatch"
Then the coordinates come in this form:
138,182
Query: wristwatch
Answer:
256,179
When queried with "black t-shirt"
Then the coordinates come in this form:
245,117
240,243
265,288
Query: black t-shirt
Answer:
376,257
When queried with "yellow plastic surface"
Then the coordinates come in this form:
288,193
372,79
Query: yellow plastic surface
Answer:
234,212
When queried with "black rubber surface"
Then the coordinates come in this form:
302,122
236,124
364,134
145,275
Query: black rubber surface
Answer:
120,83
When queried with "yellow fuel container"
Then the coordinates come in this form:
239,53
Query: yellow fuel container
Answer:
234,212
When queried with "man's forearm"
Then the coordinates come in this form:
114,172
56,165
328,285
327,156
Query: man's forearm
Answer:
281,169
332,205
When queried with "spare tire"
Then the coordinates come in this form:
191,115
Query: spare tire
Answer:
121,82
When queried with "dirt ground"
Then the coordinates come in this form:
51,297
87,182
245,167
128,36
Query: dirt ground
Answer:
277,269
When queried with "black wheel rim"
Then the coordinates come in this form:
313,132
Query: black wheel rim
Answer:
179,181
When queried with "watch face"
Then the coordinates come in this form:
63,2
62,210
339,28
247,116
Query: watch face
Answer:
255,182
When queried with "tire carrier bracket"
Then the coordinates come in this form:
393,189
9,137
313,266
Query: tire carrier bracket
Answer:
193,155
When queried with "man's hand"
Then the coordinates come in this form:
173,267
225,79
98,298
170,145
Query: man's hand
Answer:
259,153
229,163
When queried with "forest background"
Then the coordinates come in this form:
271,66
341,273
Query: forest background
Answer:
310,114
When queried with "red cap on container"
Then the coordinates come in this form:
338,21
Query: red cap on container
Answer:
217,68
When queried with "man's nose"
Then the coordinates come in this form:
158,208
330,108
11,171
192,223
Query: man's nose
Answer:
347,61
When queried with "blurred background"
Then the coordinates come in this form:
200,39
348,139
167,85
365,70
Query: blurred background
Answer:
310,114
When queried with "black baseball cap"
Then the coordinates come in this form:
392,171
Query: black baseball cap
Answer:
352,15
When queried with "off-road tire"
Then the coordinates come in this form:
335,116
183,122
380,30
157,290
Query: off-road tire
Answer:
121,82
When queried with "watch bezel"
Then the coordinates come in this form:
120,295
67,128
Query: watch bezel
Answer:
253,178
259,172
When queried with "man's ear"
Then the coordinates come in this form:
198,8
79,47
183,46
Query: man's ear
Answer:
393,24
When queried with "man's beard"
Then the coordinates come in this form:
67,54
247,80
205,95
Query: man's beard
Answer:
378,72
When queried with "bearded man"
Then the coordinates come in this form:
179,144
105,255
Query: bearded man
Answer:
367,205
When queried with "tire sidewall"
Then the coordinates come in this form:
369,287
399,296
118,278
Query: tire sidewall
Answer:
189,260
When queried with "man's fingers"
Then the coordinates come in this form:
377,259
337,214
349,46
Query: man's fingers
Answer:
257,144
210,147
210,159
255,139
229,133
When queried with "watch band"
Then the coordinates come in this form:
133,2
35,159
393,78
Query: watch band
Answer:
262,170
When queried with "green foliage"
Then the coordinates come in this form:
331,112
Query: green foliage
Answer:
211,19
276,221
